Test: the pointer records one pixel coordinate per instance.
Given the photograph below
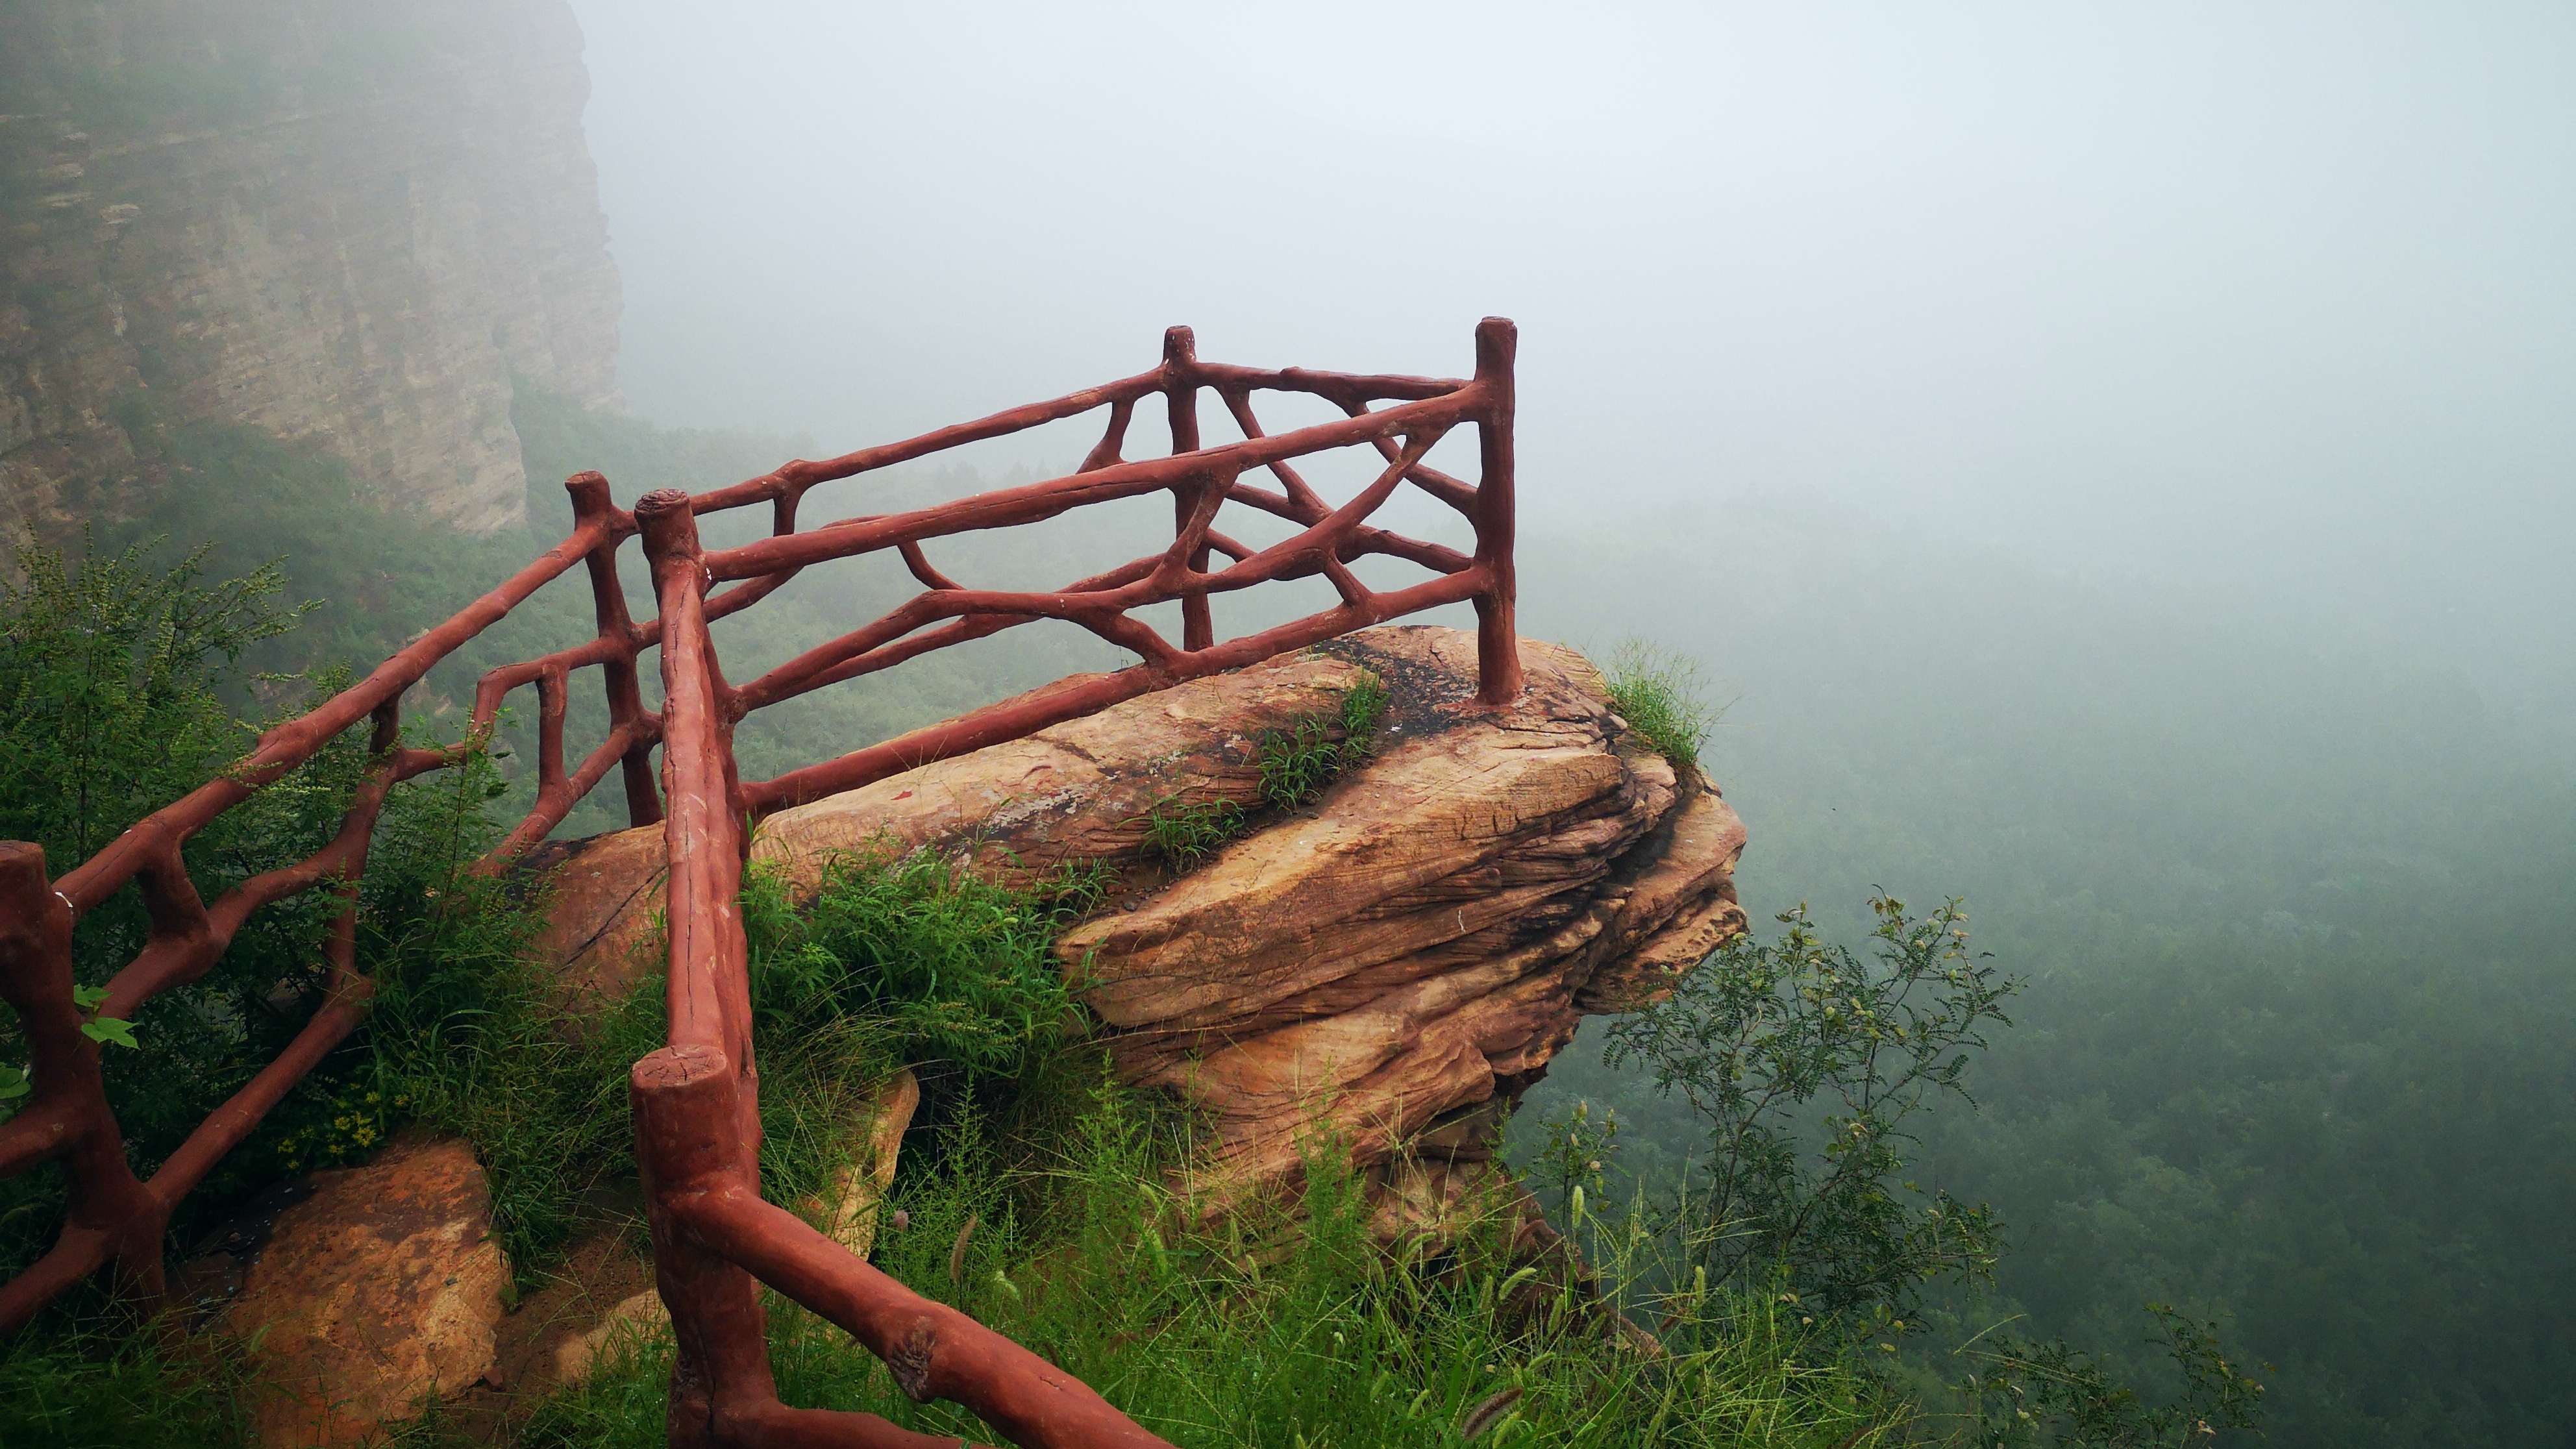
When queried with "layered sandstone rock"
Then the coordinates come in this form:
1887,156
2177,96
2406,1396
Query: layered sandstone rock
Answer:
1390,965
1396,964
374,1294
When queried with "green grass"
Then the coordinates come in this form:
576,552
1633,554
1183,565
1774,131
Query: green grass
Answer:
1264,1331
1182,834
471,1035
1299,761
76,1392
947,965
893,961
1296,763
1662,694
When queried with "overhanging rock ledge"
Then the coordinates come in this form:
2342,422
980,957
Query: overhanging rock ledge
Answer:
1393,964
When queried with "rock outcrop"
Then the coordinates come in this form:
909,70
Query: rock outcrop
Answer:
1392,964
375,1293
875,1145
343,225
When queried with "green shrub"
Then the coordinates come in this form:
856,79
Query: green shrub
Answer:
122,688
954,966
125,688
1808,1068
471,1034
1662,696
2046,1395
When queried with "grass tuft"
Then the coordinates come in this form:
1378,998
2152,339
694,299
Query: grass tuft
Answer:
1299,761
949,966
73,1391
1182,834
1296,764
1662,694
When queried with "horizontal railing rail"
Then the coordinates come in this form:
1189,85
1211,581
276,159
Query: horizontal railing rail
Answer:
695,1101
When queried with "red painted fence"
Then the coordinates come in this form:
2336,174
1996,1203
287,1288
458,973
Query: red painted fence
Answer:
697,1118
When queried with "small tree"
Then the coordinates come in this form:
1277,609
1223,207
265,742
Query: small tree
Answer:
1806,1064
122,687
113,685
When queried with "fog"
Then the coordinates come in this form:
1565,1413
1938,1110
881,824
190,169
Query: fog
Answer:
2109,469
2271,306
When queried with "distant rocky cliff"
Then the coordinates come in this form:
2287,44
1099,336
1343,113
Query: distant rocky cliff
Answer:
346,225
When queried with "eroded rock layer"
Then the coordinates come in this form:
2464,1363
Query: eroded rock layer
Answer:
1390,964
1395,963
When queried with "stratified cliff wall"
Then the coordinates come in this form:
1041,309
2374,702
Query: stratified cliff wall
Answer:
346,225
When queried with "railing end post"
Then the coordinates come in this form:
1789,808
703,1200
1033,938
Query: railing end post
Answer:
686,1100
1498,343
666,508
669,526
589,492
1498,657
28,903
22,865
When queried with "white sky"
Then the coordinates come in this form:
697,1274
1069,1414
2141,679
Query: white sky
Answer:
2199,291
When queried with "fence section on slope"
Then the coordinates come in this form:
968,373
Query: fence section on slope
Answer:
695,1100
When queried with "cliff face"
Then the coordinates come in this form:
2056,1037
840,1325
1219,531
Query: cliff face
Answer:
344,225
1394,964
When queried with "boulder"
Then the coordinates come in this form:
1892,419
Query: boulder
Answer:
1079,791
631,1321
1383,967
1391,965
371,1296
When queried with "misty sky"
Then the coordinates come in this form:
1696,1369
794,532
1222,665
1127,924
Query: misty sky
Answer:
2265,300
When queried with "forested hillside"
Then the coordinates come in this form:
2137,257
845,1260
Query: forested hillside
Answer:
2295,1049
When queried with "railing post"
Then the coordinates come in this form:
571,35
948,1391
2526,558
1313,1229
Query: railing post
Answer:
625,692
696,1102
1181,391
110,1218
688,1109
1498,651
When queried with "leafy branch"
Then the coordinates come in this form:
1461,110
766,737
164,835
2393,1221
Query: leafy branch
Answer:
1806,1064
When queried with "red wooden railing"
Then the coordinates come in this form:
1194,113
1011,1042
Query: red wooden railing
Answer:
697,1119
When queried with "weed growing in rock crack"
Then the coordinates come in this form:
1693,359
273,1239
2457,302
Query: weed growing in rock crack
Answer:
1363,709
1182,834
1662,695
1299,761
1296,764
